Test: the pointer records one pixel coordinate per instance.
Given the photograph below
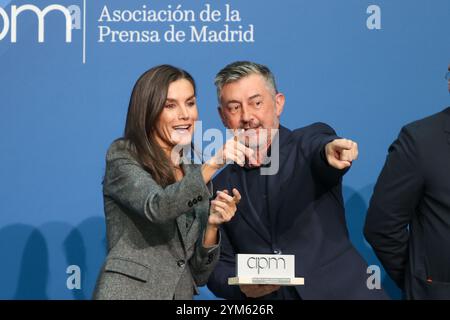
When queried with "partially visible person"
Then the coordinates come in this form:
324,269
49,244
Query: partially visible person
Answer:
162,232
408,220
299,210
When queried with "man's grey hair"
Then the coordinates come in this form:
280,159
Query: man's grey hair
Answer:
241,69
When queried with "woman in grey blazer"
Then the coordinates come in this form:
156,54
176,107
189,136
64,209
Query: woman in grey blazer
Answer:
162,228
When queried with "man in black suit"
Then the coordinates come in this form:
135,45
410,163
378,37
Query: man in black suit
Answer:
298,210
408,221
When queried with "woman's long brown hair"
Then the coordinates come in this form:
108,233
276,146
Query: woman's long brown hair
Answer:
146,104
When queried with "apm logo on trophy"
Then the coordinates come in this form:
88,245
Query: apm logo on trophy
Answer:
273,269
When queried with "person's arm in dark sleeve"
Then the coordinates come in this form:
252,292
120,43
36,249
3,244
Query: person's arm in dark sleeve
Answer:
225,268
396,195
316,137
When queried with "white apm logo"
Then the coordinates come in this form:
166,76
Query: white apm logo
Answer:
72,16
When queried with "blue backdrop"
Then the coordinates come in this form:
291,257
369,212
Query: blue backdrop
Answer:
58,115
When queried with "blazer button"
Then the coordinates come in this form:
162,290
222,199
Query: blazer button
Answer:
194,201
190,204
180,263
277,251
199,198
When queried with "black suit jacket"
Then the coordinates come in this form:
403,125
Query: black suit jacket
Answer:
307,220
408,221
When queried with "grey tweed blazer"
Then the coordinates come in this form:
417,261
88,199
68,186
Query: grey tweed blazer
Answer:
153,251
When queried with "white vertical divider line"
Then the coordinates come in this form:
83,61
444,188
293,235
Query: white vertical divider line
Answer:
84,31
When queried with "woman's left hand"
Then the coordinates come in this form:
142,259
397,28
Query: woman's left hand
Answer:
223,207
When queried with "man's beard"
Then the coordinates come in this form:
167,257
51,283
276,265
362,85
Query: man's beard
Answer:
256,138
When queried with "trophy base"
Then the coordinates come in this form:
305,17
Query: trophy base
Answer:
273,281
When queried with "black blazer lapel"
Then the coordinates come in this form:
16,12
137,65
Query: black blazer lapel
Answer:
447,124
245,208
277,183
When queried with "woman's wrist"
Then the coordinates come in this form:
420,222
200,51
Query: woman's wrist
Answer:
212,226
213,163
210,238
209,168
